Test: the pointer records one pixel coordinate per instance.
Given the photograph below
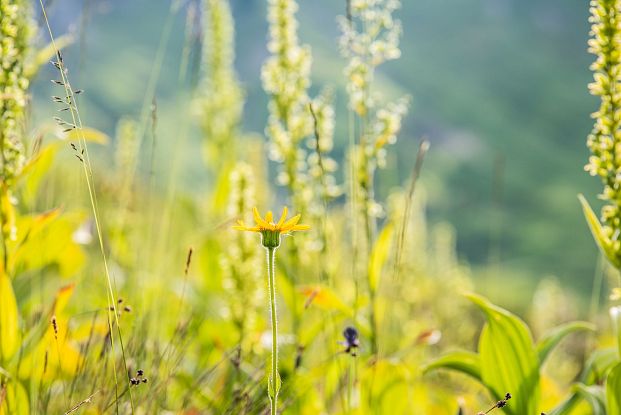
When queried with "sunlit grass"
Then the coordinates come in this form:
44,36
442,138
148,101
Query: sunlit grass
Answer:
125,290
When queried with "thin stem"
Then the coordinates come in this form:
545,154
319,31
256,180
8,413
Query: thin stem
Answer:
274,378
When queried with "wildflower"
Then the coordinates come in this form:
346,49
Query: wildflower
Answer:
270,238
270,231
221,100
351,343
240,262
605,138
15,34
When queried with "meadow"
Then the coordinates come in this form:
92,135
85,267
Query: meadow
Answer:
191,225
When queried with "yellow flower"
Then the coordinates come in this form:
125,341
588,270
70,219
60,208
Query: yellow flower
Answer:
270,231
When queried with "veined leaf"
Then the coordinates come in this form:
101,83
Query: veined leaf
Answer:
613,390
509,362
598,233
9,319
465,362
379,255
551,339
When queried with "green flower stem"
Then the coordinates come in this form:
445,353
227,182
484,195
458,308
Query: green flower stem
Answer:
274,381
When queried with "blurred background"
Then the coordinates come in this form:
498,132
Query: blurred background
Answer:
499,88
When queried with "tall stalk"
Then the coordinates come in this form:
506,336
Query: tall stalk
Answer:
270,239
274,377
370,36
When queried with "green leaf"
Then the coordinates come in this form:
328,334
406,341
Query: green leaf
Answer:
47,239
613,390
270,386
598,365
567,406
463,361
35,171
605,245
509,362
379,255
594,396
15,400
551,339
9,319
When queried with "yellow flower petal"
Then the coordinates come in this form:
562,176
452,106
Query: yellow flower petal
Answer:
291,222
267,223
259,220
283,217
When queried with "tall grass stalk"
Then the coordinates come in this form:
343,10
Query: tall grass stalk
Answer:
370,36
418,165
88,174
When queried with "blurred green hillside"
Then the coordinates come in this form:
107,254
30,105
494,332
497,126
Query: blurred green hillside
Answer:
498,87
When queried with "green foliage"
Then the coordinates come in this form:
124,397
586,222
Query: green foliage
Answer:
105,308
508,360
603,241
379,254
9,330
613,388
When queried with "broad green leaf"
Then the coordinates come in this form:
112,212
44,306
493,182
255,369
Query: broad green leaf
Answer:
47,239
9,319
15,400
465,362
597,231
551,339
594,396
509,362
613,390
379,255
